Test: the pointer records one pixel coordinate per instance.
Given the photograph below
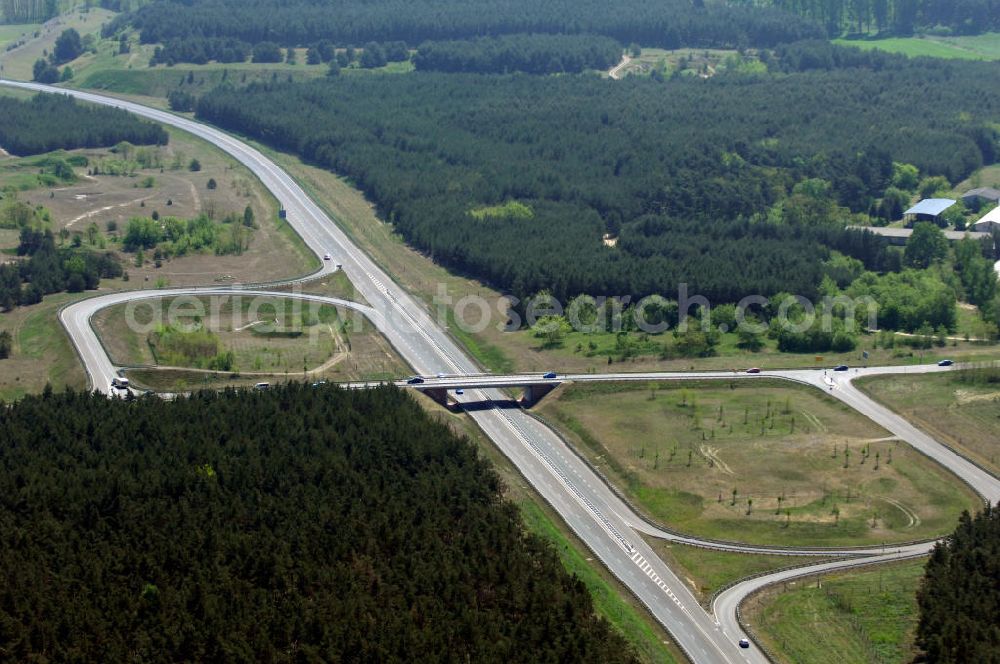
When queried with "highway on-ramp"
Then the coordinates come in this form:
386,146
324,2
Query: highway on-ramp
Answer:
594,511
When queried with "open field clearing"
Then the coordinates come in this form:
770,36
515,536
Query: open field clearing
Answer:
42,353
10,34
109,74
760,463
862,616
237,340
689,62
18,63
109,188
987,176
158,82
976,47
963,415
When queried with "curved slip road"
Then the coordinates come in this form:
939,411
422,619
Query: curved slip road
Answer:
595,513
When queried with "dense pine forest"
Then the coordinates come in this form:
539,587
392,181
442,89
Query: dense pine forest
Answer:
47,269
535,54
697,179
299,524
54,122
670,23
900,16
959,599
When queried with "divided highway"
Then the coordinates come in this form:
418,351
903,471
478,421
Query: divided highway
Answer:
595,513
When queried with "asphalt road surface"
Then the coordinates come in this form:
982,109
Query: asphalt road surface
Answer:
589,506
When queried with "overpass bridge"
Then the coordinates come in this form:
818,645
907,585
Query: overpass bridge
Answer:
537,386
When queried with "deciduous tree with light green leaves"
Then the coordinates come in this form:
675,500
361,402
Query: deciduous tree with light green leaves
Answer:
925,247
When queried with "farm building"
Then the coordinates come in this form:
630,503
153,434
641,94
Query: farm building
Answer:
929,209
976,198
989,222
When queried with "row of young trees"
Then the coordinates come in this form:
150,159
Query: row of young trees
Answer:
535,54
668,23
699,180
53,122
900,16
299,524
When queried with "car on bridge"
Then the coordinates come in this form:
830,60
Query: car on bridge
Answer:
946,363
414,380
550,374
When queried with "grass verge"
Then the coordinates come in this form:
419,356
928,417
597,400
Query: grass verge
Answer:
861,616
960,414
42,352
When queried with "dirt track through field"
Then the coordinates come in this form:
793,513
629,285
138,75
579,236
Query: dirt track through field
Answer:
107,208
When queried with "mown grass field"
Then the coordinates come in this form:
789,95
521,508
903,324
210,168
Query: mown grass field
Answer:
977,47
18,63
758,462
963,415
13,33
857,617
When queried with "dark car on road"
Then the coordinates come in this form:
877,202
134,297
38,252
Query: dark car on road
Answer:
415,380
753,370
551,374
744,643
840,367
946,363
